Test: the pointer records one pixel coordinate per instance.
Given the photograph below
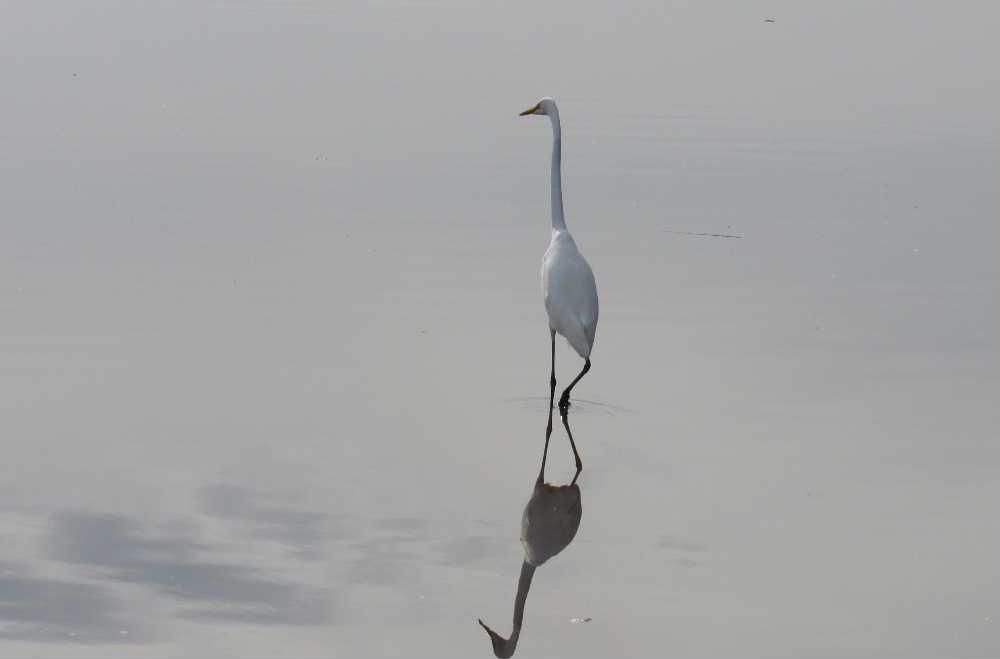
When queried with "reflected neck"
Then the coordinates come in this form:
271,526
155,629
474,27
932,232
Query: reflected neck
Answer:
523,584
558,219
505,647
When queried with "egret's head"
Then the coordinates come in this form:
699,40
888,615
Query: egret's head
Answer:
545,106
502,647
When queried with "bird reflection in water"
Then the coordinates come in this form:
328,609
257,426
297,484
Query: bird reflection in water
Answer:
549,523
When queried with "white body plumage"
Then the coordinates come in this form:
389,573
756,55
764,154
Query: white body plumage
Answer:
570,293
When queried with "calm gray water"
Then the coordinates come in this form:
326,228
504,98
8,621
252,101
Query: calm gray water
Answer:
274,363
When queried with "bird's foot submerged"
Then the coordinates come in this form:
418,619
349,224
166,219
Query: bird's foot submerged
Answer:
564,404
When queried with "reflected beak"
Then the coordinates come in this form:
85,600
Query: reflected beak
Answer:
530,110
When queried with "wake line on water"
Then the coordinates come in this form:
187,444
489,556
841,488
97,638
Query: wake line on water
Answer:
705,235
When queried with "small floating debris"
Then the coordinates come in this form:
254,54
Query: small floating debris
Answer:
577,621
768,20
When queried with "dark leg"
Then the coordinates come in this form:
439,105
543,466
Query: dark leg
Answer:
564,399
564,413
552,395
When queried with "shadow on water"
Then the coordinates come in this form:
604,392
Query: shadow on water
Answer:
50,609
549,523
188,563
182,568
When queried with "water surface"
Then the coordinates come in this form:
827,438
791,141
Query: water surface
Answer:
273,359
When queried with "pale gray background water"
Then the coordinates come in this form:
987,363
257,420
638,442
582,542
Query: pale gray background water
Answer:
273,356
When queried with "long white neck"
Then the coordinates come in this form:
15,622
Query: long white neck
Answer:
558,219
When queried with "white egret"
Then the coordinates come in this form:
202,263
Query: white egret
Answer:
568,284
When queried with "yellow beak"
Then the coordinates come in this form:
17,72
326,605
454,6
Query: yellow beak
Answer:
530,110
